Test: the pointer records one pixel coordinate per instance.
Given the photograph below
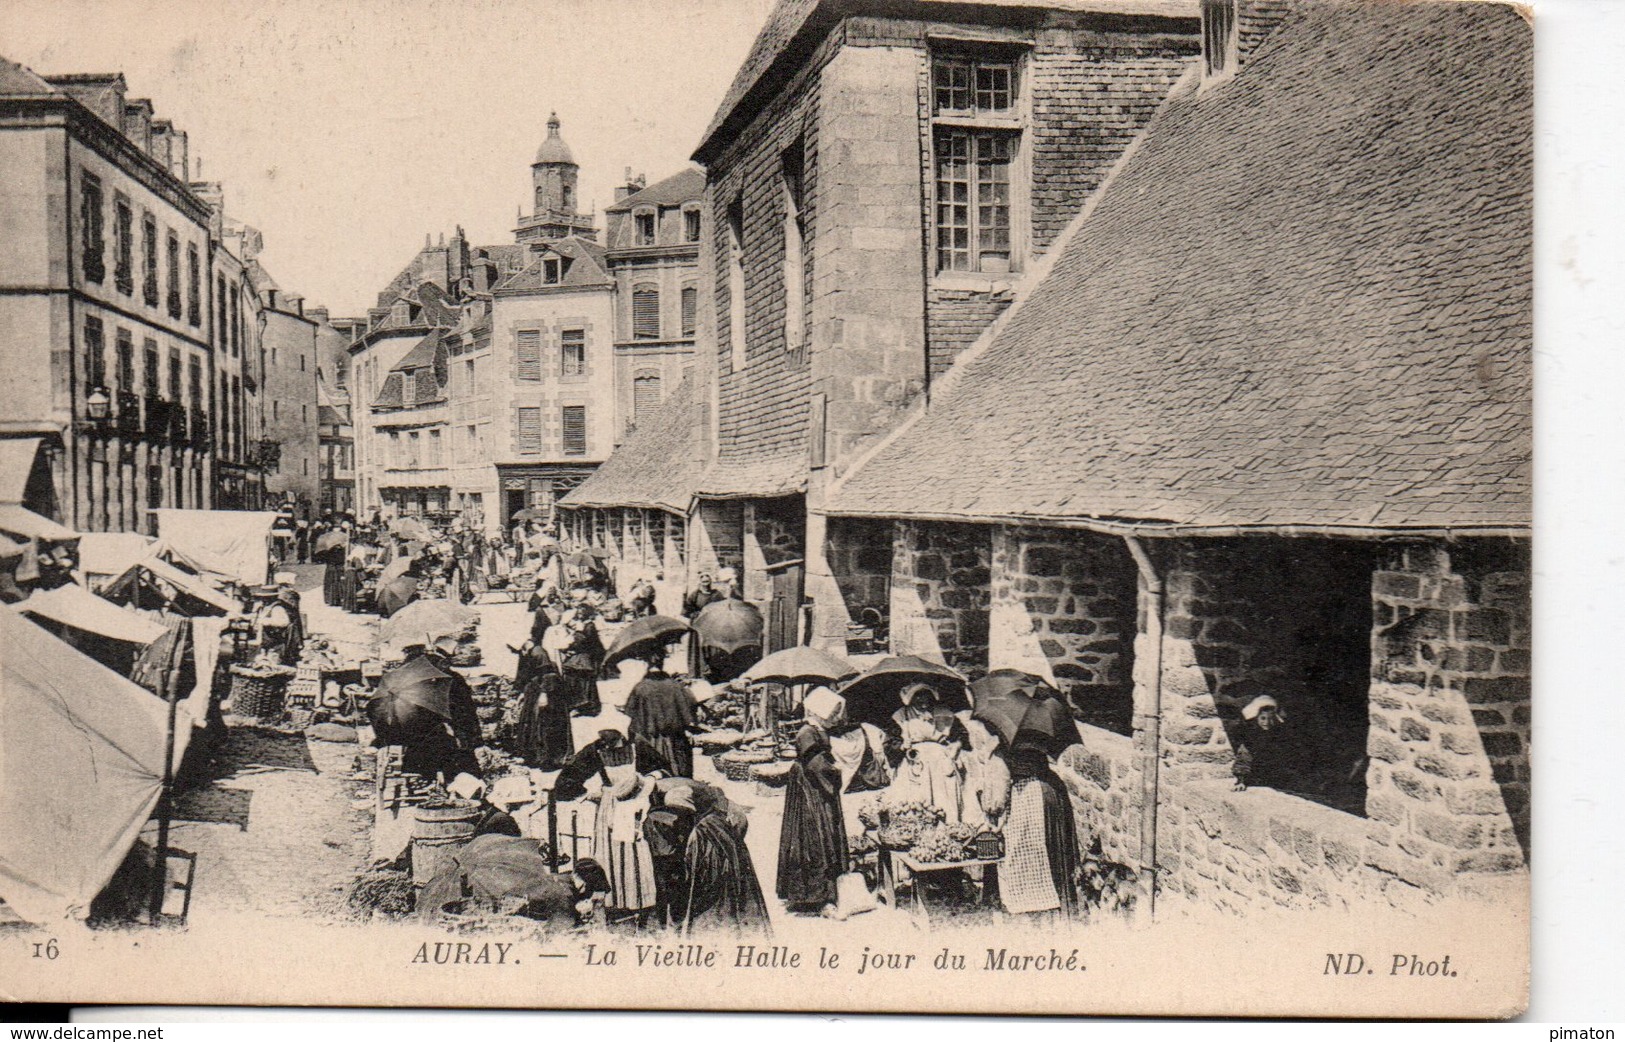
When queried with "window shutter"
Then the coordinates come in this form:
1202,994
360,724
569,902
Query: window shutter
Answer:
530,430
645,397
691,307
646,314
528,355
575,430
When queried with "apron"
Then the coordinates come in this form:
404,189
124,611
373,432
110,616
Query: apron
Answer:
618,840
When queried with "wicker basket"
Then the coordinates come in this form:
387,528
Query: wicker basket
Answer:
258,696
771,775
736,764
717,742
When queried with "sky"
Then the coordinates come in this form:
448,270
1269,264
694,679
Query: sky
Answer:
347,131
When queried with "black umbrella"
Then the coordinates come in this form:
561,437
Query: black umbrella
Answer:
1002,698
530,514
642,636
410,699
729,625
800,665
873,696
585,559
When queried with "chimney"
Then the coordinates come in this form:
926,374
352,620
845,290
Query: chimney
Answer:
320,315
1220,44
138,123
100,92
214,197
163,133
180,160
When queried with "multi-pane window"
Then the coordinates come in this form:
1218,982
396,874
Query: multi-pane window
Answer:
970,85
736,284
173,249
644,224
434,448
973,199
149,360
95,360
123,245
645,396
91,242
126,362
552,270
528,429
645,313
409,389
412,457
194,292
690,309
691,224
528,354
573,352
574,430
795,247
149,259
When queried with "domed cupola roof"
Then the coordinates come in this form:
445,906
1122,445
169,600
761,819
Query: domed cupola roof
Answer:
553,150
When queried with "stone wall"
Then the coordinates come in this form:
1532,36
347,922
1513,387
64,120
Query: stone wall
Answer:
1104,779
775,532
1064,608
940,592
1450,704
859,552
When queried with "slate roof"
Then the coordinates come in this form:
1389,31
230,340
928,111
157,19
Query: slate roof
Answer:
1303,299
755,478
656,467
587,269
685,186
792,23
423,355
21,81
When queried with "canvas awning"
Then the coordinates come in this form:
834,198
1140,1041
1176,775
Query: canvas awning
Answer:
18,520
17,457
73,605
110,553
235,542
81,766
190,585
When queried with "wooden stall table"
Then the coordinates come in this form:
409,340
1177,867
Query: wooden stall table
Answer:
890,860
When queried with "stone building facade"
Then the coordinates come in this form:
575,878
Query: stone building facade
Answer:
121,295
856,248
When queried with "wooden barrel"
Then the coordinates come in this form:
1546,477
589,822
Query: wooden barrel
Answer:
439,830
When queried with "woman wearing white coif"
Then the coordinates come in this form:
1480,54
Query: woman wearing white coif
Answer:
928,737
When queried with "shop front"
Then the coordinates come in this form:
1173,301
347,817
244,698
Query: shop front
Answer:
538,488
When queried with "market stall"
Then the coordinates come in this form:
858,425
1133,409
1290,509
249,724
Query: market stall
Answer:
69,728
234,544
108,633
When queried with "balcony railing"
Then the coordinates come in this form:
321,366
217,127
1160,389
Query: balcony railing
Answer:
128,422
157,427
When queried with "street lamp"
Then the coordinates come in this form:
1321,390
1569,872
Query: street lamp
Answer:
98,405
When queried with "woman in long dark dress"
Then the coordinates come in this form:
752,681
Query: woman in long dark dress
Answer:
660,710
812,845
582,659
1042,866
703,868
543,728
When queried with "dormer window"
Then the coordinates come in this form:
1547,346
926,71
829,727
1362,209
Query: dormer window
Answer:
691,224
644,227
552,270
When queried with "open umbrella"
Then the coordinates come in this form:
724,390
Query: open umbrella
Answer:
641,636
410,528
874,695
433,618
328,540
530,514
584,559
800,665
729,625
395,594
394,569
410,699
1014,703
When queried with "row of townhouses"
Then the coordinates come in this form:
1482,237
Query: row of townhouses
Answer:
1001,360
494,379
151,360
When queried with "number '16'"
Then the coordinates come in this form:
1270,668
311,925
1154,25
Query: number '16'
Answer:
46,949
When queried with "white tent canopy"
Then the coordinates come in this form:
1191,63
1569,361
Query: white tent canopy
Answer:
75,606
81,768
110,553
233,543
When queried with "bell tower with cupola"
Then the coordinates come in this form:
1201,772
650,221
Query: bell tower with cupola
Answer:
554,193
